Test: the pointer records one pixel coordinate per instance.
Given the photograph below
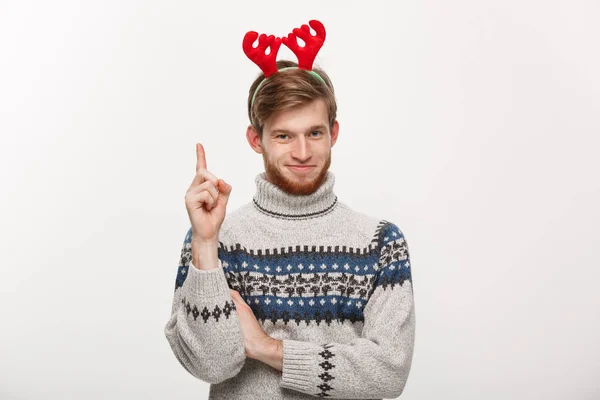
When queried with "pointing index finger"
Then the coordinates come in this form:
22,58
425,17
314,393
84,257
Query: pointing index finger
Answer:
200,157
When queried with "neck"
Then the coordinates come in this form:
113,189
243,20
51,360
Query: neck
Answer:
273,201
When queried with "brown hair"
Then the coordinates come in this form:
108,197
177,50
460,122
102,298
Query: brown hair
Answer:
287,89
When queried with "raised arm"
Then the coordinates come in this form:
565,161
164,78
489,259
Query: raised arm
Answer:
203,329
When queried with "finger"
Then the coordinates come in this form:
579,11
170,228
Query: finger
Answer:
207,187
209,202
237,297
209,176
201,199
200,157
237,300
203,175
224,192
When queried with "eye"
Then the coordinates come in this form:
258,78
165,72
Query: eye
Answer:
317,132
283,134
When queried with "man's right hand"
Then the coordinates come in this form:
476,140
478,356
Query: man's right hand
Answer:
206,201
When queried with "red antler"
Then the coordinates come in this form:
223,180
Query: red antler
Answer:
306,55
266,62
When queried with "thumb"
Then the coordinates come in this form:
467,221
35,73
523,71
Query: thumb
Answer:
224,190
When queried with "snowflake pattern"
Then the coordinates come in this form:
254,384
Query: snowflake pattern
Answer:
307,287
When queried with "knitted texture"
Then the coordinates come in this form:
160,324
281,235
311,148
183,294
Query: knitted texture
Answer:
333,284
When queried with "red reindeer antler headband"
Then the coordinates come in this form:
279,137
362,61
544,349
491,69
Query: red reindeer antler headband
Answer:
306,55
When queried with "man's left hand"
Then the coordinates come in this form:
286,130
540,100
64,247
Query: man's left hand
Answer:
257,343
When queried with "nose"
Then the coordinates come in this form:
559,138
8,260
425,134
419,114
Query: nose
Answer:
301,150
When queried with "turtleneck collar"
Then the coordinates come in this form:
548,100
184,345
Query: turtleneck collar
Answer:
273,201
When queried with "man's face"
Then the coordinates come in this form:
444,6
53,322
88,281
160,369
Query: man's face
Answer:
296,148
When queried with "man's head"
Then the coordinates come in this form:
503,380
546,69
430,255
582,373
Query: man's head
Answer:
293,123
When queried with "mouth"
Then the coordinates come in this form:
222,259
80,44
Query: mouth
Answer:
301,168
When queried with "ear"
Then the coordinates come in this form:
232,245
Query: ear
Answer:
334,132
254,139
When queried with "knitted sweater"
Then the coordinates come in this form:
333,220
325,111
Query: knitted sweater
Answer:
333,284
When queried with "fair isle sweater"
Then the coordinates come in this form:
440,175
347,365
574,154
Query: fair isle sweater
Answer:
333,284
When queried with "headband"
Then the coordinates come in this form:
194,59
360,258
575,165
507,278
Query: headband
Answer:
268,62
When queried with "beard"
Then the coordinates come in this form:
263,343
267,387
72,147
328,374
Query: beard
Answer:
292,186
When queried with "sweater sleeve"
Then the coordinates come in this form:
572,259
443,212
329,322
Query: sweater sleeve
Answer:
203,329
376,364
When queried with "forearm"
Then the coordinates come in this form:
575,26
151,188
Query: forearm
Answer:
205,256
271,353
375,365
360,369
203,329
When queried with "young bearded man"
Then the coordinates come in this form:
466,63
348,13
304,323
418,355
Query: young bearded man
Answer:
294,295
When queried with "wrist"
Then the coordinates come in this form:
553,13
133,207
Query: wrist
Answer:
270,352
205,254
204,242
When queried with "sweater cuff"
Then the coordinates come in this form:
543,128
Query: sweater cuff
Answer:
299,365
207,283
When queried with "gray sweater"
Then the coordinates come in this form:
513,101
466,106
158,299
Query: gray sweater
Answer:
333,284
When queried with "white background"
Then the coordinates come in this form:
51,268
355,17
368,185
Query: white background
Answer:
472,125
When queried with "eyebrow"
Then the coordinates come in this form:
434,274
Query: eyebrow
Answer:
319,127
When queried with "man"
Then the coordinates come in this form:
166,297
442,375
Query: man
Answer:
294,295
